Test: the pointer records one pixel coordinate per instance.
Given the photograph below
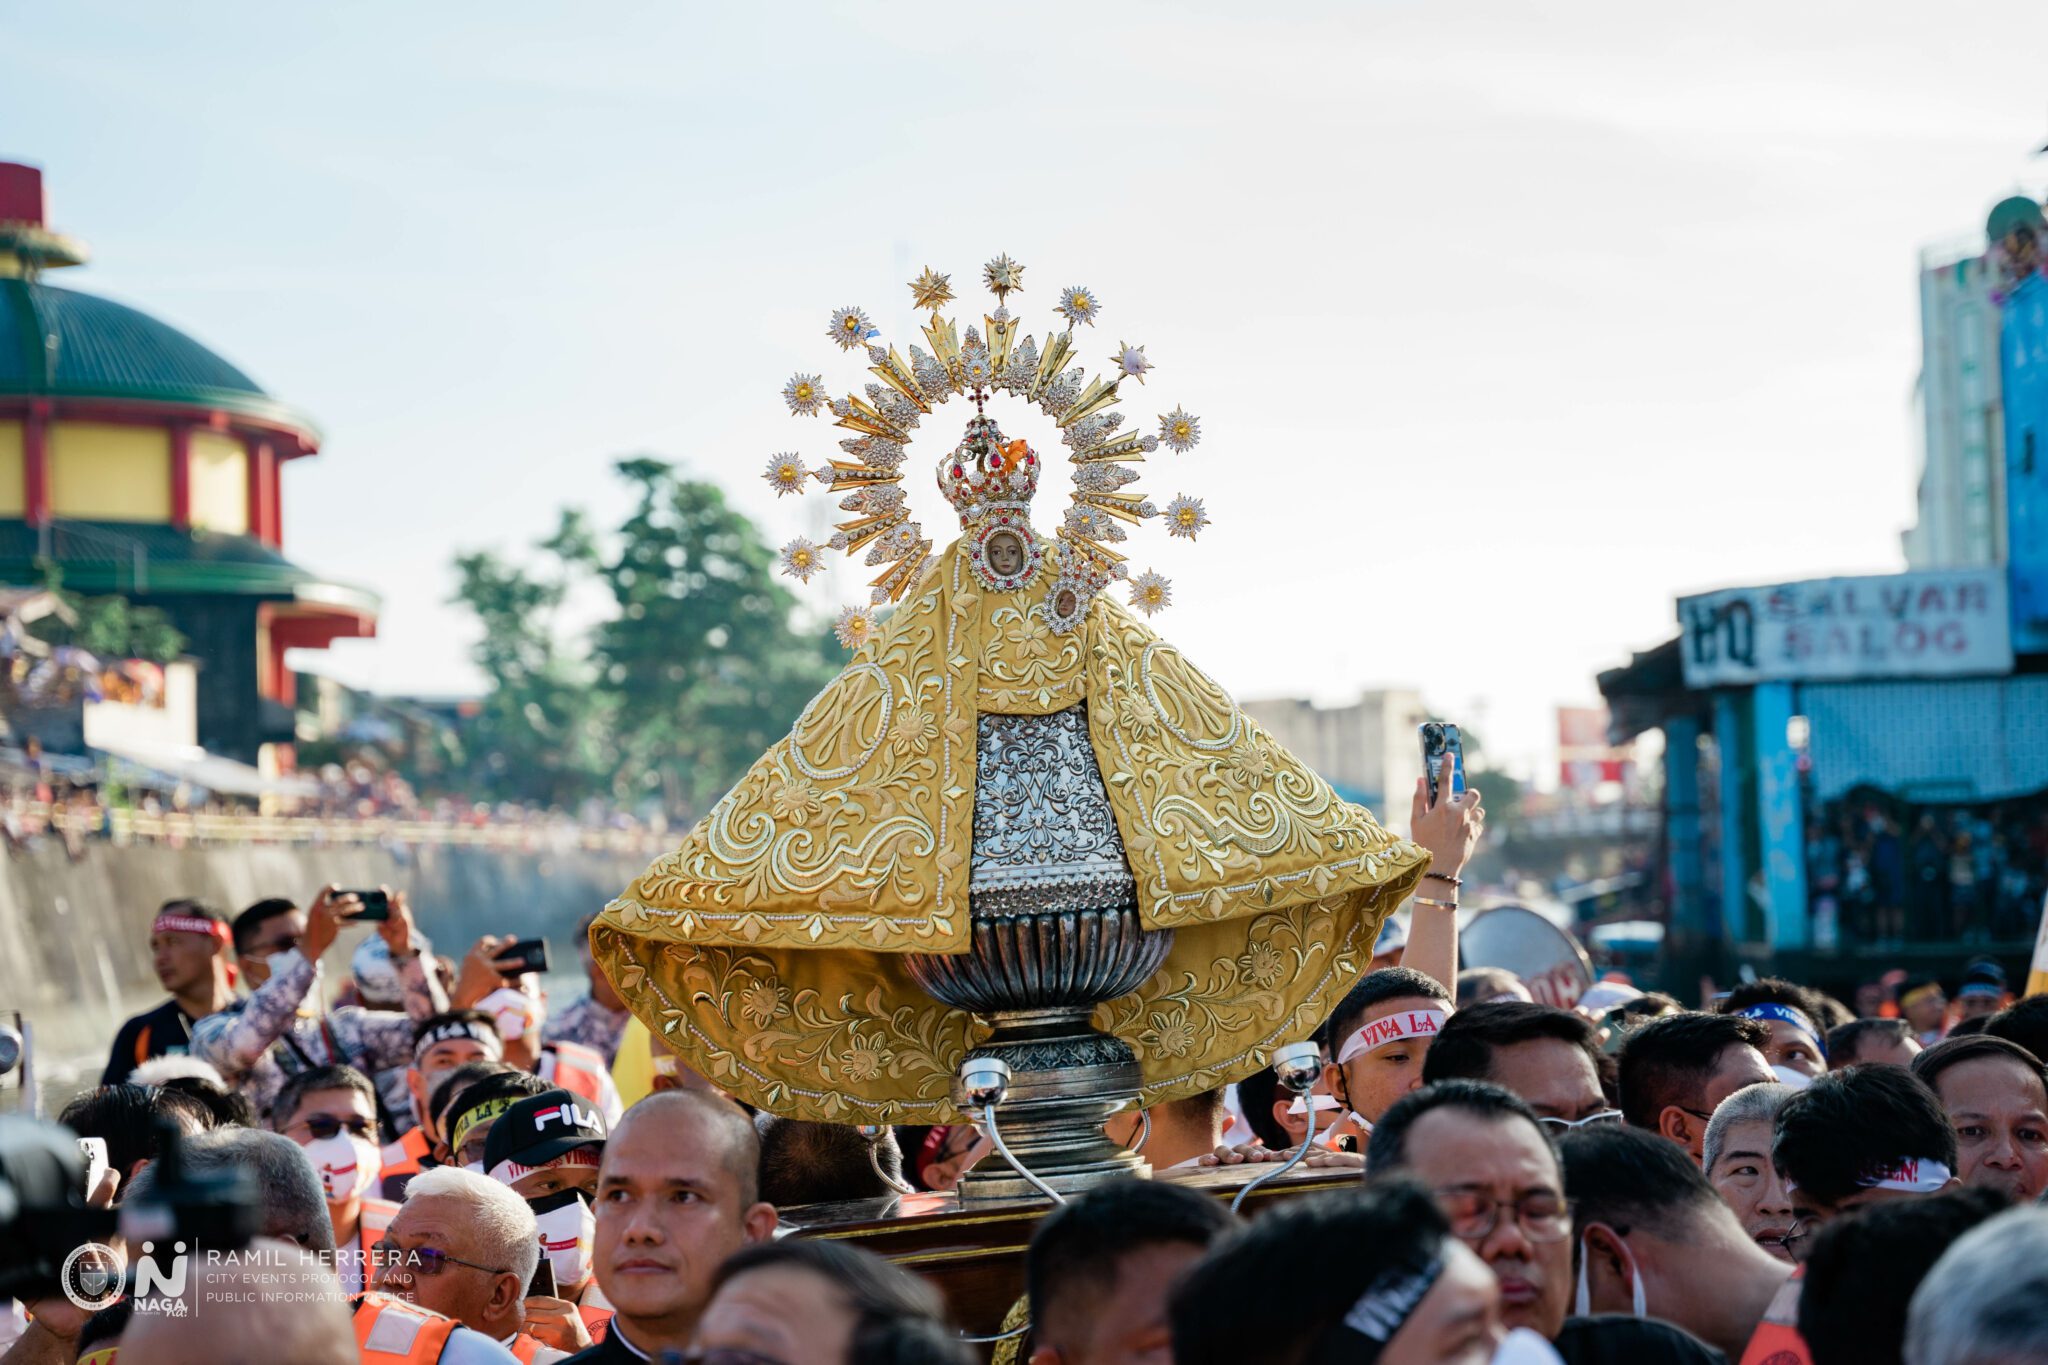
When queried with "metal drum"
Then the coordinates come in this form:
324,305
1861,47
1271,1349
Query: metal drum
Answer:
1551,961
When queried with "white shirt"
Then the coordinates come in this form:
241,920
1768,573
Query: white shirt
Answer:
466,1347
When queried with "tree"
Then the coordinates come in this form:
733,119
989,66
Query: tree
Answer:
542,730
110,627
700,659
693,670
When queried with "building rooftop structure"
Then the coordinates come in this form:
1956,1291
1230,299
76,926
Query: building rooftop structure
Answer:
135,460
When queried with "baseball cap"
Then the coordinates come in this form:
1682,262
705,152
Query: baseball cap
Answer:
1983,977
541,1129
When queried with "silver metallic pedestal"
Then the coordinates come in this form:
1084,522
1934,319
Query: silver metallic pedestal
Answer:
1055,933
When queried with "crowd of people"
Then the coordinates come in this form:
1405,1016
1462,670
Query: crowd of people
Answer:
450,1170
1888,872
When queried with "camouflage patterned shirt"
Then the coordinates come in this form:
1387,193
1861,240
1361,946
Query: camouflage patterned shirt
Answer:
260,1041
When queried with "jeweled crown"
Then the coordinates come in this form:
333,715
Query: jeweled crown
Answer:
987,472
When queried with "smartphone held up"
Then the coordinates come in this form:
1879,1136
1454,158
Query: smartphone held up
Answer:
376,906
526,955
1443,758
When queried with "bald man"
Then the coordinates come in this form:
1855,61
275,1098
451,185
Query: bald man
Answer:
283,1306
678,1193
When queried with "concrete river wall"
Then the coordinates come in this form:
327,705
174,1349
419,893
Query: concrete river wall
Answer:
74,951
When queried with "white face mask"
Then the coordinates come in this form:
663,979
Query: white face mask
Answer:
277,963
511,1009
1638,1302
566,1235
1798,1080
1524,1347
347,1165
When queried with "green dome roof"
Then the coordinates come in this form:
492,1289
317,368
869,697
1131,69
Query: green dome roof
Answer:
60,343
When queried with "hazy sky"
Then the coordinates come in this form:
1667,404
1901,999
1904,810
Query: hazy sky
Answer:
1505,323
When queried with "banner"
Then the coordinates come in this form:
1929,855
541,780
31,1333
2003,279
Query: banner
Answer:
1934,623
1584,757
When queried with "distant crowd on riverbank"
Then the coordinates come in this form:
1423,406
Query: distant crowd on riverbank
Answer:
74,815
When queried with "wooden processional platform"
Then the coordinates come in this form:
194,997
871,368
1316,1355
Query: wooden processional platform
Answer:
974,1252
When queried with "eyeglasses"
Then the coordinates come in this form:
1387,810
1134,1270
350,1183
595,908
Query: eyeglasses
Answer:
1567,1125
422,1260
1474,1214
1801,1229
327,1125
279,945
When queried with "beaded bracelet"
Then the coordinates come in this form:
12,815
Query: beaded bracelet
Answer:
1435,904
1454,882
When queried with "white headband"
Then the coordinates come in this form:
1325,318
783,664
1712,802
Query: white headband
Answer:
1914,1175
508,1170
1394,1027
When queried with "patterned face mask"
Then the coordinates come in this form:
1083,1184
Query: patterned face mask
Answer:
348,1164
568,1227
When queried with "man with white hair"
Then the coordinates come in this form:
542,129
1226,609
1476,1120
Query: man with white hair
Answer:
464,1246
1737,1160
1986,1300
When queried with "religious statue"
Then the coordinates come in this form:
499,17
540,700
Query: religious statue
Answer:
1019,823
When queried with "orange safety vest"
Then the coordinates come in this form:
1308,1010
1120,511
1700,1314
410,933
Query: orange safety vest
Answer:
1777,1340
596,1321
403,1157
403,1160
370,1227
393,1332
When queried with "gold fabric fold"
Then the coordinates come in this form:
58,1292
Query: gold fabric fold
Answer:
767,949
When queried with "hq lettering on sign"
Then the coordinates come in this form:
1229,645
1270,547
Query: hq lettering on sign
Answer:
1939,623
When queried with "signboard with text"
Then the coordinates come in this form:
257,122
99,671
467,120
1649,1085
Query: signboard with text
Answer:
1935,623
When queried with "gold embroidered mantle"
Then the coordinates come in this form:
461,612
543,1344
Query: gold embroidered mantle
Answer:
767,949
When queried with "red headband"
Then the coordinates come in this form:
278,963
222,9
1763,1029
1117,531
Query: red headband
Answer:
190,924
197,924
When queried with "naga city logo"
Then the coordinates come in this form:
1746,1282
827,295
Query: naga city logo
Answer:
93,1278
568,1115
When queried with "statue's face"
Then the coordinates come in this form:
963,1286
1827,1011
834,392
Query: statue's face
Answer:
1006,554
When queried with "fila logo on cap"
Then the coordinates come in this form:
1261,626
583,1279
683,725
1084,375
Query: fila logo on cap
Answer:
568,1115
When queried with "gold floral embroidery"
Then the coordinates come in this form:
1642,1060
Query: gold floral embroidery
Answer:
794,802
1262,966
1250,765
863,1062
1135,716
1170,1034
1028,669
915,731
762,1003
